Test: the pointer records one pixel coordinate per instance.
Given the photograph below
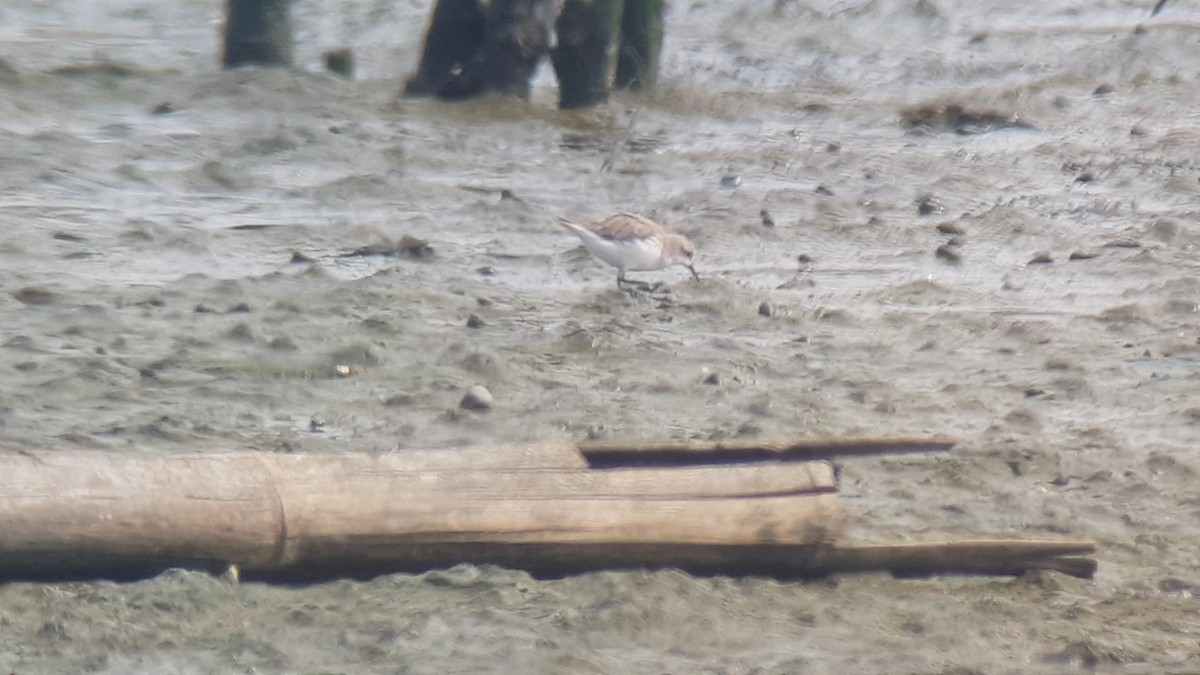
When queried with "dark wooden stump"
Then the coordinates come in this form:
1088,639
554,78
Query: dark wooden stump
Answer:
641,44
456,32
587,37
472,48
257,32
518,36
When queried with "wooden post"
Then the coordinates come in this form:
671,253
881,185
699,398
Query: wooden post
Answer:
518,35
257,32
587,37
456,32
641,44
474,47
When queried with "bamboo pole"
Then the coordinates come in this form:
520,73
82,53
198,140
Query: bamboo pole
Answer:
607,454
88,513
536,507
918,559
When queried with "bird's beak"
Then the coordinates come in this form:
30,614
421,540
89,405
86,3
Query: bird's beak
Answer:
692,269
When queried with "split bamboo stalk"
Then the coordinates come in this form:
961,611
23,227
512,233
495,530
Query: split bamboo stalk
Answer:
1006,557
605,454
69,512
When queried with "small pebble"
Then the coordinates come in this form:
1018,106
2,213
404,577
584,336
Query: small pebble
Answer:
766,309
164,108
282,344
340,62
1082,255
767,220
928,204
486,270
713,379
731,180
477,398
231,575
1123,243
33,295
241,333
748,430
949,253
401,399
1057,364
474,321
1165,229
823,191
1040,258
343,370
949,228
804,259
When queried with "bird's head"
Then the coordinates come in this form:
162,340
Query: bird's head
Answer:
680,251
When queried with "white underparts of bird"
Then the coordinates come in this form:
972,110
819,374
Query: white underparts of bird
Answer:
633,244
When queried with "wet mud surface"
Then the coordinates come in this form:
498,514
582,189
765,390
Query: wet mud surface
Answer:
978,220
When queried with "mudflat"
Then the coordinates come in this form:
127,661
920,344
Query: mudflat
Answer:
966,219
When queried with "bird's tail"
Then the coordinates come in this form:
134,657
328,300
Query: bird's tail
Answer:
570,224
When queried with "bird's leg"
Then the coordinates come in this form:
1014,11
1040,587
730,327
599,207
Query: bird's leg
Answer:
632,283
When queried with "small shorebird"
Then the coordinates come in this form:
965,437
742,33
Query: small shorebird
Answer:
632,243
